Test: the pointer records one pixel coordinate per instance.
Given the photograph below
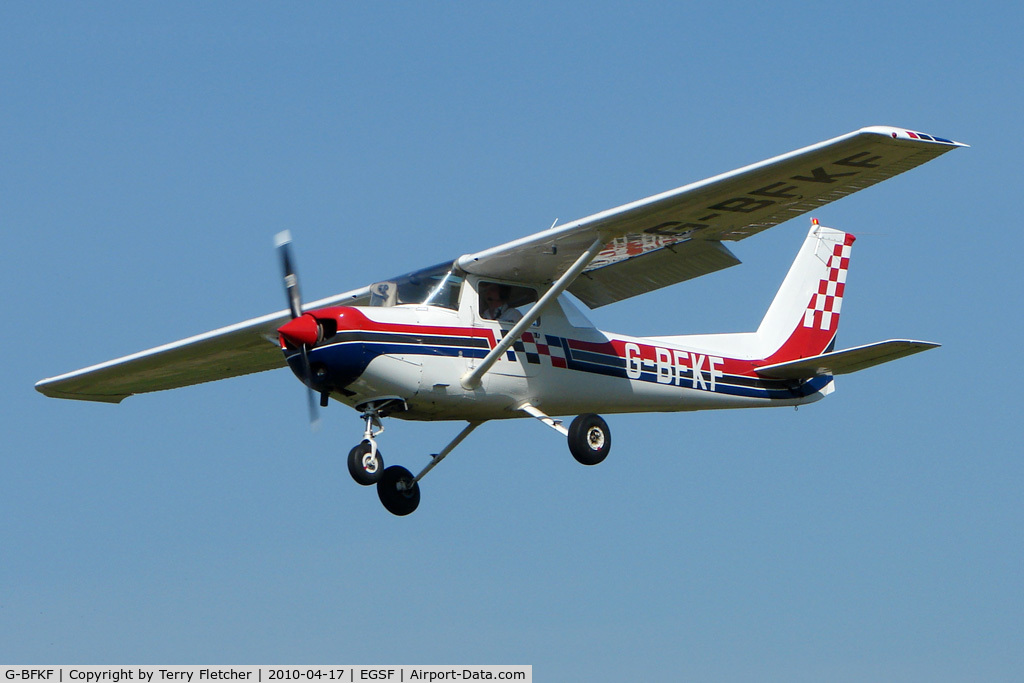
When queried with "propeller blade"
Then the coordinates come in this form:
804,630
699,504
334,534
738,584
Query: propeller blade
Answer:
303,330
283,242
314,409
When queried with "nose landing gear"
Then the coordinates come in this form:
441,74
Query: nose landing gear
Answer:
365,463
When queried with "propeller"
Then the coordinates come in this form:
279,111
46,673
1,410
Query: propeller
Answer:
303,330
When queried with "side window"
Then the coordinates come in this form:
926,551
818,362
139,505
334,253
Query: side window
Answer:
504,303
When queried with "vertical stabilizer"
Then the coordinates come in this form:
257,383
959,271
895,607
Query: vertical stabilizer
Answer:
804,316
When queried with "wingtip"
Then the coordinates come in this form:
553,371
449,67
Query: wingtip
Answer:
50,392
897,133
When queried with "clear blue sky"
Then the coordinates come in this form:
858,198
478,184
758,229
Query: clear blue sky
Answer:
149,153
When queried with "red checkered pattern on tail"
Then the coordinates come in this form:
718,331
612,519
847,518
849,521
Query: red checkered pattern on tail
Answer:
823,308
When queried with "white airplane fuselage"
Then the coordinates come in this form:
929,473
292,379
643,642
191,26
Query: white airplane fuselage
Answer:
418,354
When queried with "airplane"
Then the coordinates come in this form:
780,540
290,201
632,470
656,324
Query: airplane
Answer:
491,335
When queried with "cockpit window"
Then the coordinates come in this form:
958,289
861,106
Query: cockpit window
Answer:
503,302
434,286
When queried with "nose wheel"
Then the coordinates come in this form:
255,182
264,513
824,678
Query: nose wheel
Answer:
365,463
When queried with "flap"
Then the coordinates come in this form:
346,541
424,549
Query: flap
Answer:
631,270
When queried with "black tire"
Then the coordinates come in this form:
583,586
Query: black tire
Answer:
398,502
361,473
590,440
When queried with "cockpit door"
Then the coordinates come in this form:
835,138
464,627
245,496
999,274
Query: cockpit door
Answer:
483,299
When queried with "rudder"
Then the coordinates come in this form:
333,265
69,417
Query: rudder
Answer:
804,316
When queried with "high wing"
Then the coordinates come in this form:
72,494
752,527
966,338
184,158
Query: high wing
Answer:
646,245
241,349
678,235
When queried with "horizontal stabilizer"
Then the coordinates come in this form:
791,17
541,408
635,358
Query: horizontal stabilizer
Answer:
847,360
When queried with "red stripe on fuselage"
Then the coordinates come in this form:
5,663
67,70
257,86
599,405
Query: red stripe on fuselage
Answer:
349,318
352,319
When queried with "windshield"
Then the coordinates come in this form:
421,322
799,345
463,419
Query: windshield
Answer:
434,286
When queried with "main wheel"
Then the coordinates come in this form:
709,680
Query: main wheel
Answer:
398,501
589,439
363,467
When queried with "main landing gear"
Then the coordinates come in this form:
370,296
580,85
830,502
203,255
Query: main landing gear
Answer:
588,435
590,440
399,490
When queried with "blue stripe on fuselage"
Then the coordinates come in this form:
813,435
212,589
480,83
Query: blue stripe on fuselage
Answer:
347,360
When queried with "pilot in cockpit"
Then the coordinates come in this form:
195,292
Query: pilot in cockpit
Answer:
494,303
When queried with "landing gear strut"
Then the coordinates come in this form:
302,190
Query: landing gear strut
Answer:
399,491
365,463
397,488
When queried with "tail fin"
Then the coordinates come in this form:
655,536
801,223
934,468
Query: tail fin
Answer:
796,338
804,316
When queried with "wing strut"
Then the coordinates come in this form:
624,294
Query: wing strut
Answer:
471,380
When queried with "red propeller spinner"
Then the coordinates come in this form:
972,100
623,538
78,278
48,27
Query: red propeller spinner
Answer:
300,331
